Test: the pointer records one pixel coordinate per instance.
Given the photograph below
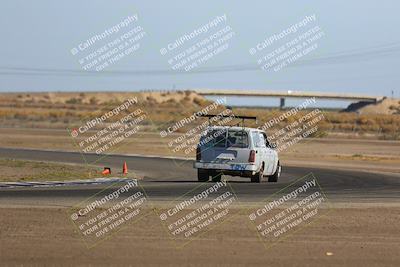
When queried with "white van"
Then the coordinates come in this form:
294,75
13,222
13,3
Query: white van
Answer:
236,151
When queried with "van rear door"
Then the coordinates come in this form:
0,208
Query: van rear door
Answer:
226,146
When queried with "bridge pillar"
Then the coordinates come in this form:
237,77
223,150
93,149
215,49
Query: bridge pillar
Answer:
282,104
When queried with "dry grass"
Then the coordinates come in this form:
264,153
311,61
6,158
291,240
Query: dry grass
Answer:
23,170
336,123
69,110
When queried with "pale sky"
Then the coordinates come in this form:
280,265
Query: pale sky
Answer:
359,52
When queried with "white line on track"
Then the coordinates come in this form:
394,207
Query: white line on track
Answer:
64,183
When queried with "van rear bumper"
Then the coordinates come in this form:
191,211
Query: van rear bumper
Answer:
235,169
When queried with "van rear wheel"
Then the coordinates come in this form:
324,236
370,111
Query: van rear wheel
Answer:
274,178
258,177
202,175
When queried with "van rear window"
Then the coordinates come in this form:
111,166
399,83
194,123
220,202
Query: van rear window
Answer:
237,139
222,138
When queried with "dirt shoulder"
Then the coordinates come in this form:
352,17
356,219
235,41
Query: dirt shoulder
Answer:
28,170
344,237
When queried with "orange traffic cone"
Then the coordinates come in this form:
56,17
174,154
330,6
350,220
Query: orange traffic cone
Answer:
106,171
125,168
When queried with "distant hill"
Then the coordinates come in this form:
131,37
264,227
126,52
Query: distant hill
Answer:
386,106
101,97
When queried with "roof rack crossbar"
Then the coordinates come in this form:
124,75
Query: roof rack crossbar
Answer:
227,116
232,116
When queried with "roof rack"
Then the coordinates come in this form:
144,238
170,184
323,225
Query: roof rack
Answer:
209,116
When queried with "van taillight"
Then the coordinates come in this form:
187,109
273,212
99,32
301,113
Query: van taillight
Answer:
252,156
198,153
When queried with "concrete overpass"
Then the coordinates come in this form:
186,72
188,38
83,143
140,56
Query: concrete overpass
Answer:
289,94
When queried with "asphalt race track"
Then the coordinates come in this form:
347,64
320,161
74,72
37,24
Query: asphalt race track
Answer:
168,179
